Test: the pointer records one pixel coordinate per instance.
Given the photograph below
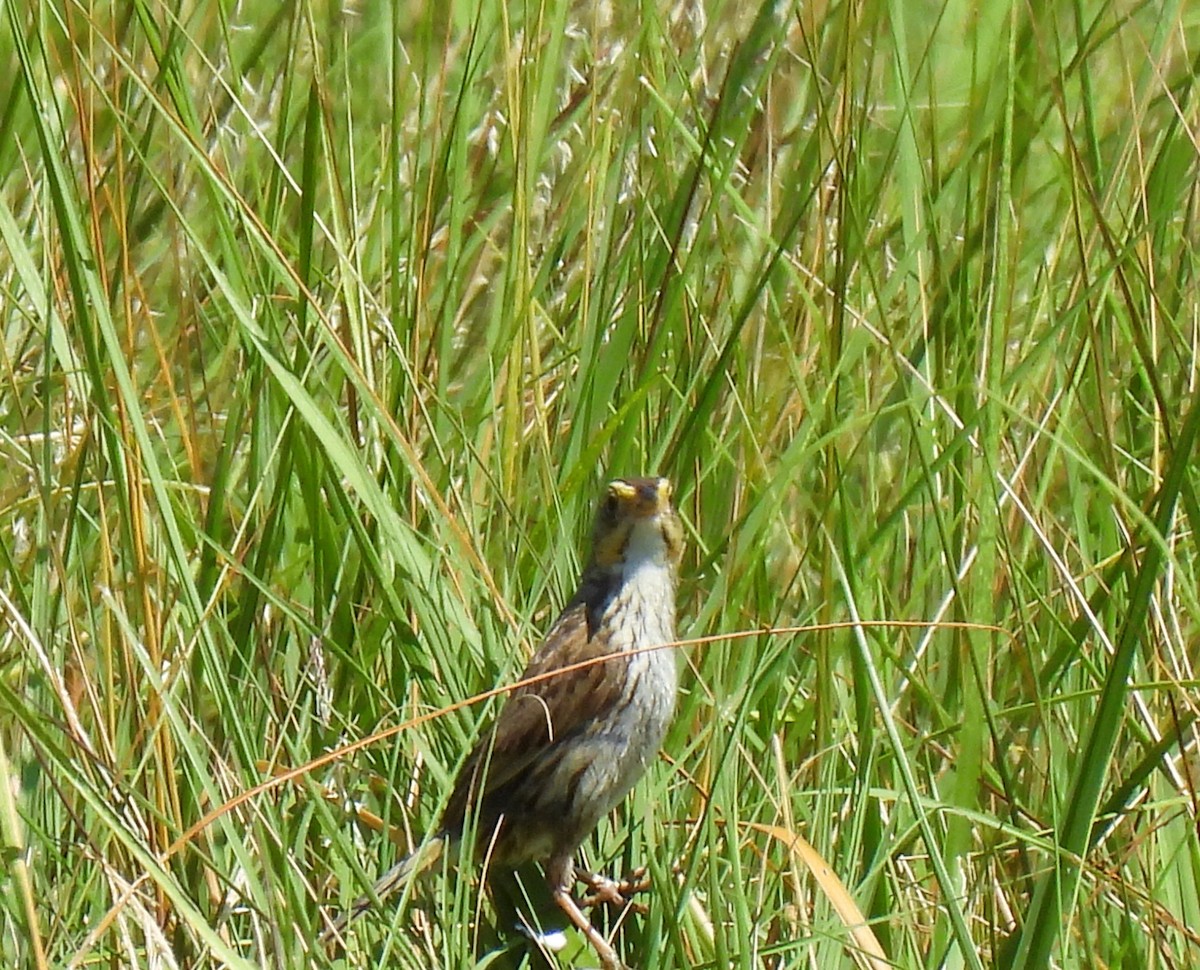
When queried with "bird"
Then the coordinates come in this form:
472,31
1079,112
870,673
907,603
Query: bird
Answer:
566,748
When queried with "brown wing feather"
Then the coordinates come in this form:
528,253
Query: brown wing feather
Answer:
536,717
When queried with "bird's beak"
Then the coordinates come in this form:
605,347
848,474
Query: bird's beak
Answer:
644,496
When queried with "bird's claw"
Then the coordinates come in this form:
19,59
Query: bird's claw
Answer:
611,892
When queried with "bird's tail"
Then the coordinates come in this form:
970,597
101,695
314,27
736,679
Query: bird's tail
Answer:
396,877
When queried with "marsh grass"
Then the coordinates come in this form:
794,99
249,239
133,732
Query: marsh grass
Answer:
322,326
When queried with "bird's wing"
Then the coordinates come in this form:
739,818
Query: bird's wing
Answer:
537,716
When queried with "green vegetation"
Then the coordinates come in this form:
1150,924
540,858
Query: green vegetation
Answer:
324,323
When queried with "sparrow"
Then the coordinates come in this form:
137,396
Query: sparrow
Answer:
567,747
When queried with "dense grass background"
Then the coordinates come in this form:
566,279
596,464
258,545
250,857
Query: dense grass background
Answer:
324,323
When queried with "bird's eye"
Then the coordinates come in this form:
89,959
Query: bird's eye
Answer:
610,506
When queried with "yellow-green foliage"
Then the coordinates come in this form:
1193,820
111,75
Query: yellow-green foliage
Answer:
322,324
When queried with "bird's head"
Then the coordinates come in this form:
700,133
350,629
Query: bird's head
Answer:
637,523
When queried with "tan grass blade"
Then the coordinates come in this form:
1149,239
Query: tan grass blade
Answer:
866,949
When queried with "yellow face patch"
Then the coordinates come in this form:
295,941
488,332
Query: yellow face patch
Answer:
628,503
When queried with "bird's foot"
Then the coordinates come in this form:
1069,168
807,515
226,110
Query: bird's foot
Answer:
608,956
610,892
